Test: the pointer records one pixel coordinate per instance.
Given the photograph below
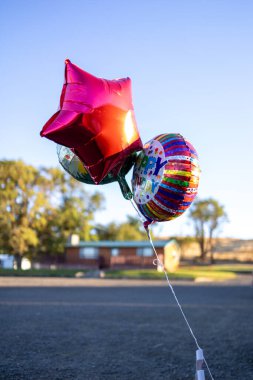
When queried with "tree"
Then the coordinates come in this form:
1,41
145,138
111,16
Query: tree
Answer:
108,232
207,216
74,214
130,230
20,207
40,208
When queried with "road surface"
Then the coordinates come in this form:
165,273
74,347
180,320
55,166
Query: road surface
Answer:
122,331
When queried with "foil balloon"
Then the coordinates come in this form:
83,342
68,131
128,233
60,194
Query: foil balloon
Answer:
96,120
165,178
74,166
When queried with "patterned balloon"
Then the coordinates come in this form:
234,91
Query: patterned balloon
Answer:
74,166
165,178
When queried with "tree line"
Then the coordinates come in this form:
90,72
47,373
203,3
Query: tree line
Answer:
41,207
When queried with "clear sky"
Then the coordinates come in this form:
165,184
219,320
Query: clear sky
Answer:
191,65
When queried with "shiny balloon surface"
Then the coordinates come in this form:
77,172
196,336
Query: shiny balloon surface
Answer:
96,120
74,166
166,177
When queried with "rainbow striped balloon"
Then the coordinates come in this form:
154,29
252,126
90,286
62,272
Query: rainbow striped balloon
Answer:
165,178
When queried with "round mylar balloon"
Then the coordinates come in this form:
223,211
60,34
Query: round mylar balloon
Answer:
74,166
165,178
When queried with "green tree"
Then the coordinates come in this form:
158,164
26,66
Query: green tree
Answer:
21,207
207,216
75,213
132,229
40,208
108,232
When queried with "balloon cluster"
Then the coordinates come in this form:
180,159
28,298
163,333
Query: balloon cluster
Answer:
98,141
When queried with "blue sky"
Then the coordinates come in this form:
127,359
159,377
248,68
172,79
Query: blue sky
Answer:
191,68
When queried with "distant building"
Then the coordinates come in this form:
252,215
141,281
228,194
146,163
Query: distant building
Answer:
122,254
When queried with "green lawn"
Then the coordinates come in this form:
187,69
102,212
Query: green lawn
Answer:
212,272
180,274
235,268
40,272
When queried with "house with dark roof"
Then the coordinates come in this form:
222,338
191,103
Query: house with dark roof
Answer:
121,254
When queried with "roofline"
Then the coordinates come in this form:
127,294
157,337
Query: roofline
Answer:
122,244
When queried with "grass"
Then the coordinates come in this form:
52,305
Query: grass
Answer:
40,272
212,272
187,273
235,268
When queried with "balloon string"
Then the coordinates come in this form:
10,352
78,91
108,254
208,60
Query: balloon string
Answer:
157,262
138,212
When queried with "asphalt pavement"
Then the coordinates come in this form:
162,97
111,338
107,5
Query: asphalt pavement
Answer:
123,331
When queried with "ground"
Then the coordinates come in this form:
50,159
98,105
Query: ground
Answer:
107,329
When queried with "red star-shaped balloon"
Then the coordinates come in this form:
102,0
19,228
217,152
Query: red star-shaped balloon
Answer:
96,120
